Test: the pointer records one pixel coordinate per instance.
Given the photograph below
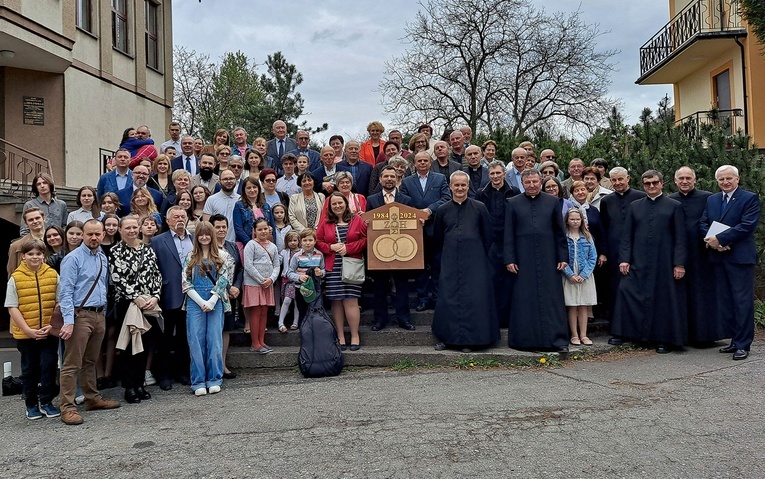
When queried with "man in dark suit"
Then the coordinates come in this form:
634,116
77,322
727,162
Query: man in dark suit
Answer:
428,191
733,255
479,175
186,160
325,174
280,144
140,176
119,178
390,194
303,140
171,248
361,170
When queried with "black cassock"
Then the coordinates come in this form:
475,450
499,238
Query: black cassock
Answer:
650,303
536,241
465,313
700,281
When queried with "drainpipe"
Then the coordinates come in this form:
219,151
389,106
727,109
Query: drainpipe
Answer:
743,77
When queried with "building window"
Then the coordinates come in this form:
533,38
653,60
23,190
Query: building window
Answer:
152,35
83,13
120,25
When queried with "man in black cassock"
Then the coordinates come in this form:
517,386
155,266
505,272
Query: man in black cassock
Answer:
536,251
650,304
465,316
700,284
613,216
494,196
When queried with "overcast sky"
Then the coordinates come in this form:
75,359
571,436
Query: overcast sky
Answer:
340,46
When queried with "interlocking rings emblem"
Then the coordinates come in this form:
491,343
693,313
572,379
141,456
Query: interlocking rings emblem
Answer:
390,247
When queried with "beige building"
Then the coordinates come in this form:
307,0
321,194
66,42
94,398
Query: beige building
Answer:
713,60
73,75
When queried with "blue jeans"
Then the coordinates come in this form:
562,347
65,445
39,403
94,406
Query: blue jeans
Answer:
204,331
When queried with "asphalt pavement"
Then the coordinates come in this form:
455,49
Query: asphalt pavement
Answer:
634,414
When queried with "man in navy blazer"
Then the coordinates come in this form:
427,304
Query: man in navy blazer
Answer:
733,255
187,151
119,178
361,170
303,140
513,175
279,145
140,176
171,248
389,194
428,191
325,174
478,174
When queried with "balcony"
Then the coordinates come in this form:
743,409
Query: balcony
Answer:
731,121
700,31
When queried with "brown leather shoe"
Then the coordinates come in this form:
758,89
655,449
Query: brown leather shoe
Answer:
101,403
71,417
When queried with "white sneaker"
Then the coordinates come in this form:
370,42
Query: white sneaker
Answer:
200,392
148,379
214,389
79,399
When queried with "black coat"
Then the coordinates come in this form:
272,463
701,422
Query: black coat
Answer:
701,289
650,303
465,313
535,241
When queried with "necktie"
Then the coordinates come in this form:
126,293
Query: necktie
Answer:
188,164
388,198
725,199
281,148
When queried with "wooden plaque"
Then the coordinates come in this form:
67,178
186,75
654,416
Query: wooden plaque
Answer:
394,237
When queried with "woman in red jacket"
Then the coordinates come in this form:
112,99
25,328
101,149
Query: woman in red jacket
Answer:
374,145
340,234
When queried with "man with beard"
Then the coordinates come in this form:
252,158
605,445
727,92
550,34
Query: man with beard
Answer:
140,177
536,251
465,316
206,176
650,304
478,174
701,287
494,196
222,202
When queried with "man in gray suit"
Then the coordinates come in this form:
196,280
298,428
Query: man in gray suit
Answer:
513,175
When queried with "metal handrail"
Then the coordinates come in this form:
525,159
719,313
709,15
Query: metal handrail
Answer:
18,167
691,124
698,17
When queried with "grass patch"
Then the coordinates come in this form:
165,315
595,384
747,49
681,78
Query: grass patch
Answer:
759,313
404,364
478,362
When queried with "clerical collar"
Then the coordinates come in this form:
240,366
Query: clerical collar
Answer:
459,202
656,197
500,186
532,196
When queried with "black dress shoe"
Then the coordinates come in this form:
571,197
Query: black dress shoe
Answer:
343,347
661,349
466,350
166,384
616,341
378,327
740,354
230,375
563,349
728,349
407,326
131,396
439,346
355,347
421,307
143,393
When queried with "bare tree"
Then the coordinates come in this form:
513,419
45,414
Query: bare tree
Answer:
498,63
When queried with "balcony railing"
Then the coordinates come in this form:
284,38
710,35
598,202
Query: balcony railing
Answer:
700,17
730,120
18,167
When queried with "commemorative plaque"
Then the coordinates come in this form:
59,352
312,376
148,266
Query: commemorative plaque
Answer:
394,237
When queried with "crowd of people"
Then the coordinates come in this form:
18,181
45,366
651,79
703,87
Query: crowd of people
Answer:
179,244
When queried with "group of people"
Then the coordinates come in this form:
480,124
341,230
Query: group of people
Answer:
168,252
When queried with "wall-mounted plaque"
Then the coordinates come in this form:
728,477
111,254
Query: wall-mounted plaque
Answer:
394,237
34,110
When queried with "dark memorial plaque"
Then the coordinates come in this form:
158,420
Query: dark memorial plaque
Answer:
34,110
394,237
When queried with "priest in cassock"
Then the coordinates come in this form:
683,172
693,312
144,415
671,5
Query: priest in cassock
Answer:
536,251
464,317
700,285
650,304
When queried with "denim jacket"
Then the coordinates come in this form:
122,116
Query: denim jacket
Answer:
586,257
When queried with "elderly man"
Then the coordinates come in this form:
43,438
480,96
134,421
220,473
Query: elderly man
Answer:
119,178
361,170
44,192
536,251
181,181
457,143
467,135
142,146
303,140
206,176
442,163
465,316
575,168
428,191
494,196
186,160
613,217
728,224
280,144
140,177
701,287
82,293
479,175
223,202
513,175
325,174
650,303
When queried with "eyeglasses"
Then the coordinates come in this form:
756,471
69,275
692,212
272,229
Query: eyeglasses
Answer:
652,183
551,187
302,137
223,153
238,167
269,180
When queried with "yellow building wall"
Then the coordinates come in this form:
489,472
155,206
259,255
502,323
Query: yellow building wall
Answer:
755,73
695,92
